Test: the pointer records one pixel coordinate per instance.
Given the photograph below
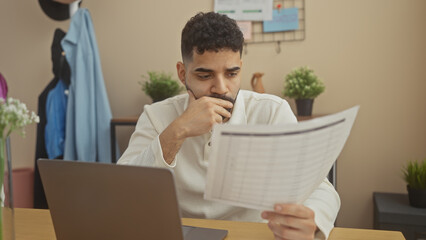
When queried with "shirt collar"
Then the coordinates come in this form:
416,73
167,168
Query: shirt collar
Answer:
76,25
239,111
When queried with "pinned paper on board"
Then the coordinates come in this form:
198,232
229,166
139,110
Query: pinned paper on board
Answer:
246,29
286,19
245,10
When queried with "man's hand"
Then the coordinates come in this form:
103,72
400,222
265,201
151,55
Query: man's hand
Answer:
291,221
198,118
202,114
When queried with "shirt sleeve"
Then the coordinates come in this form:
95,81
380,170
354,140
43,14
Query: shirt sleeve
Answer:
144,146
325,202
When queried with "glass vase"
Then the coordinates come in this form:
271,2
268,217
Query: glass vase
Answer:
7,228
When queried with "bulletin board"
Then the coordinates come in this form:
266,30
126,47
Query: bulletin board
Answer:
259,36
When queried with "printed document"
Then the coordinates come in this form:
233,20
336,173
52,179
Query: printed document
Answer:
245,10
257,166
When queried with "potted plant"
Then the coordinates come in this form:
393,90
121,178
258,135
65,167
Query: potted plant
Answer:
303,85
159,86
415,177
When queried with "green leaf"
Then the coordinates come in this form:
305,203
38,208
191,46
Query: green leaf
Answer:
159,86
302,83
414,174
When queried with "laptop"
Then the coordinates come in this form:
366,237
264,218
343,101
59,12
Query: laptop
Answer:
108,201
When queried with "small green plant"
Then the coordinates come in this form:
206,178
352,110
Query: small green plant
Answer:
415,174
159,86
302,83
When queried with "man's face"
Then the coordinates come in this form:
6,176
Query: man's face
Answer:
214,74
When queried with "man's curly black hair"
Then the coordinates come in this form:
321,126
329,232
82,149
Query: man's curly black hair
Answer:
210,32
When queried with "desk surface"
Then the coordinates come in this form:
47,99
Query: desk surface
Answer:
36,224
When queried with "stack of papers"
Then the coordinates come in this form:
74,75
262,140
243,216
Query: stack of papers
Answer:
257,166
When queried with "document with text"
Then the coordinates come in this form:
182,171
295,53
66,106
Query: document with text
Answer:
257,166
245,10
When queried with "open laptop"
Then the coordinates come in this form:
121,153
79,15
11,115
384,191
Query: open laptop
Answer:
106,201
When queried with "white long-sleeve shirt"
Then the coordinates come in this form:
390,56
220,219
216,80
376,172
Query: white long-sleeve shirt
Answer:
191,162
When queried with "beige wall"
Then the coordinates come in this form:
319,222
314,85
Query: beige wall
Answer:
371,53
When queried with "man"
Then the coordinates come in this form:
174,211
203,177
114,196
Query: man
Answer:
175,133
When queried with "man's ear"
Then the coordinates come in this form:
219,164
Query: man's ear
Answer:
180,67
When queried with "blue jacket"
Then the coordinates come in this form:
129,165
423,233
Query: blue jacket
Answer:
54,131
88,113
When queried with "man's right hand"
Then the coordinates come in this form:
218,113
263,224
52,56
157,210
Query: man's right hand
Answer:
202,114
198,119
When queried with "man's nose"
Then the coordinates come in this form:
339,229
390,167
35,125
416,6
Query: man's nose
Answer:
219,85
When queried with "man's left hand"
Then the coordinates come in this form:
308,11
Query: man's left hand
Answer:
291,221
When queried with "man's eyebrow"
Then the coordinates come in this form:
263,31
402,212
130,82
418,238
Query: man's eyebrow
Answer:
203,70
233,69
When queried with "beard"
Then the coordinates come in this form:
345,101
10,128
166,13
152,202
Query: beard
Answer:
224,97
215,95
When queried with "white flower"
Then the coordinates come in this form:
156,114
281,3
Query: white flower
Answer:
14,115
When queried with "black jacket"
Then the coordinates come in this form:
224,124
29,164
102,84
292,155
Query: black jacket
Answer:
61,70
